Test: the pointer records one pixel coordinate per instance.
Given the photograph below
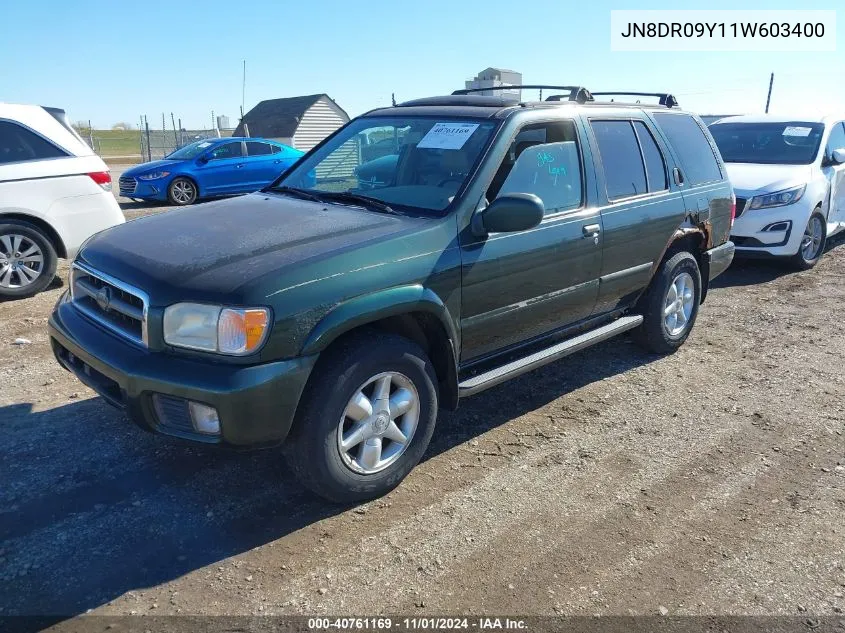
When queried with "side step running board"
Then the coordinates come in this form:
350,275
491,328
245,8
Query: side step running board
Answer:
491,378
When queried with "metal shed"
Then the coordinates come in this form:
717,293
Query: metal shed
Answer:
300,122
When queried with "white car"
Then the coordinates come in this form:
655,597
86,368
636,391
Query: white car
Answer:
788,175
54,194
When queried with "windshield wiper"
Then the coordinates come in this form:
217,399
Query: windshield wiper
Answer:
299,193
365,201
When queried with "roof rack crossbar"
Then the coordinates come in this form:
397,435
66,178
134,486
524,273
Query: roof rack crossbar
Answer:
575,93
666,99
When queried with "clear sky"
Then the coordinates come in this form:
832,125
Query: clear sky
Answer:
114,61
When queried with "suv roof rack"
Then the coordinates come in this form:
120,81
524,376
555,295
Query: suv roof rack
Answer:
666,99
575,93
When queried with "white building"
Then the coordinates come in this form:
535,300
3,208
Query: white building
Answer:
496,78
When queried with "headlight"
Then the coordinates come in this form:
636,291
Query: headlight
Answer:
778,198
154,175
233,331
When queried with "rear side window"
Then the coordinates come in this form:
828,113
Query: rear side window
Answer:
17,144
695,152
256,148
655,166
621,160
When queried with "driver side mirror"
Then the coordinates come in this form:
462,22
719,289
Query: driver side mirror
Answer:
202,160
838,155
509,213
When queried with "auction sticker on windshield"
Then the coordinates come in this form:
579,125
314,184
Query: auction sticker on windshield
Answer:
447,136
794,130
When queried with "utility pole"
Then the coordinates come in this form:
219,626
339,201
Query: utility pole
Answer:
769,98
243,92
175,136
393,98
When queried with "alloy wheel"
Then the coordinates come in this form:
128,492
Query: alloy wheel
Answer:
183,191
678,305
378,423
811,241
21,261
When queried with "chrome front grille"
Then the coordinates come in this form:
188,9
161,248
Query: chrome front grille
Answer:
127,185
110,302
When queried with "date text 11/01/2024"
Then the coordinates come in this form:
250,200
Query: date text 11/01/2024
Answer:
416,624
722,29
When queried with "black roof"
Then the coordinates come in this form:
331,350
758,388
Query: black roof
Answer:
278,118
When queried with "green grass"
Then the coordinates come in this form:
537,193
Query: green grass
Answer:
114,142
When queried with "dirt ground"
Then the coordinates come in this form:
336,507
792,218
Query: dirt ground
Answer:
612,482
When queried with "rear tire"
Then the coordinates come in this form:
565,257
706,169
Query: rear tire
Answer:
813,241
342,446
27,260
670,305
182,191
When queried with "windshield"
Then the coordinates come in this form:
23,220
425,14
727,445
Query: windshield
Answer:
785,143
414,162
190,151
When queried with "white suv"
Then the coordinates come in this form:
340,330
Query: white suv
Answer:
789,179
54,194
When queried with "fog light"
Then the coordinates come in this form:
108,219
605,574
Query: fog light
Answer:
204,418
777,226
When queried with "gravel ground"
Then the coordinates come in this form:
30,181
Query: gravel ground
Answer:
613,482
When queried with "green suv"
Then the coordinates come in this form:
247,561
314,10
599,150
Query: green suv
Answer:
338,319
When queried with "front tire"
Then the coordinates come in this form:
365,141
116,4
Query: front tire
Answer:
670,306
366,418
27,260
182,191
813,241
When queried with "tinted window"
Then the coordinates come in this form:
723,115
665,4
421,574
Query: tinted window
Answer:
275,149
620,158
254,148
696,154
229,150
19,144
771,143
836,139
543,160
655,167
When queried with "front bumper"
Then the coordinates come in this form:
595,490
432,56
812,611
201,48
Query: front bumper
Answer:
131,187
255,403
719,259
770,232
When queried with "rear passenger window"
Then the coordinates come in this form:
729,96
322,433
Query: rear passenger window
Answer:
255,148
18,144
544,160
621,160
696,154
655,166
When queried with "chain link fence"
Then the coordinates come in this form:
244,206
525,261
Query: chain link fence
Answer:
157,144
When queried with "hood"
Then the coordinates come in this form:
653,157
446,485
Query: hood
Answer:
750,178
155,164
210,252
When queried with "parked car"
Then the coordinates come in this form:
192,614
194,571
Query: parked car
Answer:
54,194
339,321
209,168
789,178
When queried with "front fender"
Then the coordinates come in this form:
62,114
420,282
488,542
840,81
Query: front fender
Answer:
374,307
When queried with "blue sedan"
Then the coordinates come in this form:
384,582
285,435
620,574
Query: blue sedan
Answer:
209,168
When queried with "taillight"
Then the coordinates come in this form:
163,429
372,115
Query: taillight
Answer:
102,178
733,208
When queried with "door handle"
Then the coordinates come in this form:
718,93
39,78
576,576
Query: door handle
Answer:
239,166
591,230
277,161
